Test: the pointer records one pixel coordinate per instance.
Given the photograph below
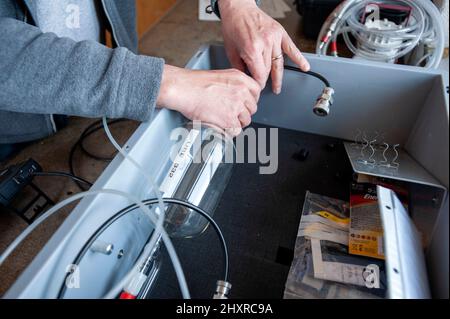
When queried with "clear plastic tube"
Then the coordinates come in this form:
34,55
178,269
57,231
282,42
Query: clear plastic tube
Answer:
422,59
407,37
357,11
159,225
438,23
170,249
426,27
331,24
378,52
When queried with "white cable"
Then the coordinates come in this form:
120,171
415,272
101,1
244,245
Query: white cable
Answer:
150,247
437,19
160,223
168,243
400,43
332,24
159,226
425,27
403,40
426,56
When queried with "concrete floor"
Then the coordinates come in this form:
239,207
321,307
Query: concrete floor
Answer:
176,38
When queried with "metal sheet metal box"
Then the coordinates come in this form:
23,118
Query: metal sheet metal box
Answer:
409,104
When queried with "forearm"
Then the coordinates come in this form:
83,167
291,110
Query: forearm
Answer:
41,73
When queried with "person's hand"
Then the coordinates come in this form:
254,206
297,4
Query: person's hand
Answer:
222,98
256,41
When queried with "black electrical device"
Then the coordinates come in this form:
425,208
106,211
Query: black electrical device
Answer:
13,181
14,178
314,13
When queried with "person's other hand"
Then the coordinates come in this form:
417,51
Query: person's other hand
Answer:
222,98
256,41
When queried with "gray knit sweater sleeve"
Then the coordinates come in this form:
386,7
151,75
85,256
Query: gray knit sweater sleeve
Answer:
44,74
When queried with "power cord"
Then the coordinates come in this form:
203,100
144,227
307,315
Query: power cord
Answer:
62,174
91,129
88,132
311,73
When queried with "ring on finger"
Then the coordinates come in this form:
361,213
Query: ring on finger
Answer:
280,56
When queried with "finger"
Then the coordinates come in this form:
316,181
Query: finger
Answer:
244,118
235,129
267,56
231,127
235,60
277,71
253,87
251,107
294,53
257,68
277,75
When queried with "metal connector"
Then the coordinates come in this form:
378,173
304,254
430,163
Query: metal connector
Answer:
222,290
102,247
323,102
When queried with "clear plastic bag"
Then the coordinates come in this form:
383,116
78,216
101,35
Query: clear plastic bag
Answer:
303,281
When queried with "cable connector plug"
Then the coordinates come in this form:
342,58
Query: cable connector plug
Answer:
222,290
323,102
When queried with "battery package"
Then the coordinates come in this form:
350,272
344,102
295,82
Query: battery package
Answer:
322,266
326,218
366,231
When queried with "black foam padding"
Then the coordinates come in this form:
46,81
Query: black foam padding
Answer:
259,216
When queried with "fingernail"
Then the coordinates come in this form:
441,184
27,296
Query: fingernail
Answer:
277,91
306,66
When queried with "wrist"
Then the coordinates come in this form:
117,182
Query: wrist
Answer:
174,90
225,6
235,3
167,92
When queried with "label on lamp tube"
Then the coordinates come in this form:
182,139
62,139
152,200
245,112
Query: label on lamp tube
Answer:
179,165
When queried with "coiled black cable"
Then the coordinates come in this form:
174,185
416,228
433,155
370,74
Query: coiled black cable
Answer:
92,128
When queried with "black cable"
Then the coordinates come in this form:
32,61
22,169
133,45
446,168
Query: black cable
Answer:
62,174
311,73
92,128
74,148
133,207
71,168
88,133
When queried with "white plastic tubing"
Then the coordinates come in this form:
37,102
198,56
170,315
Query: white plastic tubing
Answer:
153,217
159,225
428,27
157,220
